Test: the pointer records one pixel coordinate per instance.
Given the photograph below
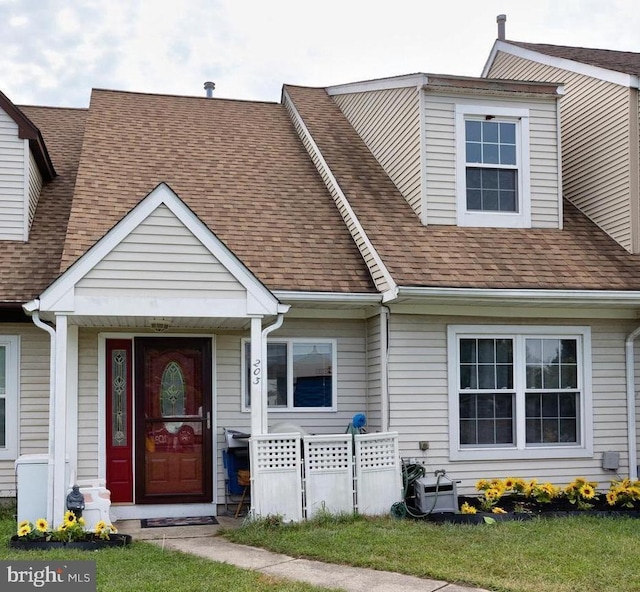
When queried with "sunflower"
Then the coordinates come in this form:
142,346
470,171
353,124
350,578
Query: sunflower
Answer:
612,498
42,525
482,484
497,510
24,530
509,483
100,526
69,518
587,492
467,509
23,523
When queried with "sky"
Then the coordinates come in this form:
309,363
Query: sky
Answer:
53,52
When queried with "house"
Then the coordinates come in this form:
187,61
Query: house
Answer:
176,266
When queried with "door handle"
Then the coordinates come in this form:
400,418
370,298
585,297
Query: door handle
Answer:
208,420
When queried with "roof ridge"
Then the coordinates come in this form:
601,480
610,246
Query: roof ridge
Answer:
529,43
176,96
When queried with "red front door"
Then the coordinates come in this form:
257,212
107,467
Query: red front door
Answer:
173,420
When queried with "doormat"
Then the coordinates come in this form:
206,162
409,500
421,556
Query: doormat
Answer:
190,521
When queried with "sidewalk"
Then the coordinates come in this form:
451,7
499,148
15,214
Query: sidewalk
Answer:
202,541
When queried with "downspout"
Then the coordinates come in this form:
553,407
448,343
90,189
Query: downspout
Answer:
384,368
265,407
35,317
631,404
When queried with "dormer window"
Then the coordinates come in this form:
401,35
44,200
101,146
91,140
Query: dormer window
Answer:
493,166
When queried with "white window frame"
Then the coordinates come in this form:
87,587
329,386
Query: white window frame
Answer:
520,450
12,395
290,408
512,114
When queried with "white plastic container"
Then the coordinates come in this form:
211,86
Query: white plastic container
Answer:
97,503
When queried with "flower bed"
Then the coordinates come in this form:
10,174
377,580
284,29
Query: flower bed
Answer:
516,499
70,533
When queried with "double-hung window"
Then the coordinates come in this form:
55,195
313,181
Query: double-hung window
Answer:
493,166
9,368
301,375
519,392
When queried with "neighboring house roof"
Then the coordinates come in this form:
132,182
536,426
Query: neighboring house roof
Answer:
581,256
26,268
27,130
238,165
626,62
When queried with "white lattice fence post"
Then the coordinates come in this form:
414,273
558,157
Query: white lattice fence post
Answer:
328,463
378,472
276,479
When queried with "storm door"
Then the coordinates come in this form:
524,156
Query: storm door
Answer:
173,419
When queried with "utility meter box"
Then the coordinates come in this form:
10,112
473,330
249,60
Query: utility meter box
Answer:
436,495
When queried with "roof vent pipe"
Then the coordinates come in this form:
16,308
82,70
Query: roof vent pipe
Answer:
209,87
501,19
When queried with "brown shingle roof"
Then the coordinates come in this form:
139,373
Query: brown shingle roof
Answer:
580,256
27,268
619,61
238,165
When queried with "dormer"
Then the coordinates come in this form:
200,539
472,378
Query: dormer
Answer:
464,151
24,167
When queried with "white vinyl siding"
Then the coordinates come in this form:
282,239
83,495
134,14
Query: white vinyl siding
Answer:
88,405
35,186
418,385
441,169
12,180
388,121
33,400
374,375
440,151
595,141
161,256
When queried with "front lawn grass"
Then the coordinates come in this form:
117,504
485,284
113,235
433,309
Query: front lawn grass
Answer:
145,567
571,554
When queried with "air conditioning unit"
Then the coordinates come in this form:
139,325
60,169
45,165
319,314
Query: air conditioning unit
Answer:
436,493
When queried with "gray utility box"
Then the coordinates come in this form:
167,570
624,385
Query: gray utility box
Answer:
434,496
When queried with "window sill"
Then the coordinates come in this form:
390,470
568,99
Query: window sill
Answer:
526,454
297,410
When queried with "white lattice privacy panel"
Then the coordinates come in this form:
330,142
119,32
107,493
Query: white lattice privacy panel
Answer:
328,469
276,479
378,472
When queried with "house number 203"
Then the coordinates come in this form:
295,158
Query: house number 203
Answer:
257,372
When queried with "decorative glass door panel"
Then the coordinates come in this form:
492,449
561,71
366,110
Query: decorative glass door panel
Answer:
118,412
173,389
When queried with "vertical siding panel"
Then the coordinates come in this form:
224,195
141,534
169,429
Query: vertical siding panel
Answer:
12,167
388,121
595,141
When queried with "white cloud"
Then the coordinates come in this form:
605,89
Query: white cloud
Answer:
251,47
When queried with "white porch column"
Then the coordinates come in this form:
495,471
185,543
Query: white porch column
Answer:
59,419
72,400
257,373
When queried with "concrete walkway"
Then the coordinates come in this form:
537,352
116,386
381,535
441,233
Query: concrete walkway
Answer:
202,541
